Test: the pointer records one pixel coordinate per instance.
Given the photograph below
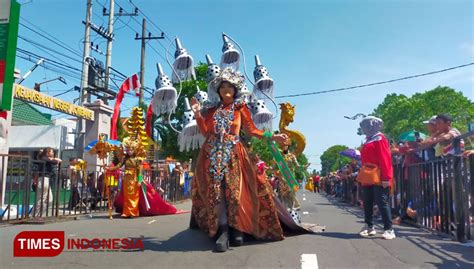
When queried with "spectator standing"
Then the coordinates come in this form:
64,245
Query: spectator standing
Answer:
50,165
428,145
446,135
376,151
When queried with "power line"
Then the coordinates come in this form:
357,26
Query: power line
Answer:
52,68
153,48
156,26
59,64
47,48
50,38
59,71
70,90
148,19
159,54
377,83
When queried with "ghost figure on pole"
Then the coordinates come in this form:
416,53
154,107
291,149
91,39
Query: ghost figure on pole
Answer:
165,97
190,137
263,83
201,96
261,115
230,56
183,64
213,71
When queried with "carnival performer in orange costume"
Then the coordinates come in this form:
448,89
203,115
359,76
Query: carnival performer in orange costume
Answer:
226,190
130,184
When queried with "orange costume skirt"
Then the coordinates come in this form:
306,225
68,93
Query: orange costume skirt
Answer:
250,205
131,194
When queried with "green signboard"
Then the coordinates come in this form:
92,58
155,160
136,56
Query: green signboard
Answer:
9,19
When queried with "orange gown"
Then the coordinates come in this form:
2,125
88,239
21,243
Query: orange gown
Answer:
131,189
250,205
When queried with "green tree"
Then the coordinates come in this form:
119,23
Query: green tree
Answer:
401,113
259,146
302,172
331,160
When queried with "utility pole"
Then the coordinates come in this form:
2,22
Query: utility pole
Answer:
109,36
108,55
84,96
85,65
143,38
142,64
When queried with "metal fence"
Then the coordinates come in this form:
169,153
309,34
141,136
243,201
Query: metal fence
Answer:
440,192
32,193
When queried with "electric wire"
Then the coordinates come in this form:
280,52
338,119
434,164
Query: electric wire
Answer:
377,83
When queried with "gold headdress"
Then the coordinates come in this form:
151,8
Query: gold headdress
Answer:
137,138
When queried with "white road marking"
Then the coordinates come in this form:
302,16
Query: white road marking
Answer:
309,261
150,222
304,199
305,212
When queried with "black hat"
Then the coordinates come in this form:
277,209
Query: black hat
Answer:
444,117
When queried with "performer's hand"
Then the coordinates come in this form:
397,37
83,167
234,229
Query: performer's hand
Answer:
280,138
385,184
195,106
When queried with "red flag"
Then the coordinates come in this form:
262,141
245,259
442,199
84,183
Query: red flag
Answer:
149,115
130,83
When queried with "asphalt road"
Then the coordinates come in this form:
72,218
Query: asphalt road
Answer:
170,244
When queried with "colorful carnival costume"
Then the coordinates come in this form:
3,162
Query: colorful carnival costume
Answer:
288,195
226,190
138,197
225,174
228,194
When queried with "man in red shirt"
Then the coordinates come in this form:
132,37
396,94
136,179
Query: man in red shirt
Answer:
316,179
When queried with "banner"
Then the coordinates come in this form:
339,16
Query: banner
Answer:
9,19
283,166
41,99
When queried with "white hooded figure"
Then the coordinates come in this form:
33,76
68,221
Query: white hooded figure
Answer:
263,83
190,137
165,97
261,115
183,64
230,56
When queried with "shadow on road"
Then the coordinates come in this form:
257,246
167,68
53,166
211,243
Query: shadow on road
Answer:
341,235
187,240
423,239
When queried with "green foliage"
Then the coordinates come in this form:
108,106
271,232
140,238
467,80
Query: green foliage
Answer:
401,113
331,160
259,146
301,172
120,130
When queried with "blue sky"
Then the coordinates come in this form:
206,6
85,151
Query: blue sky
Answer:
306,46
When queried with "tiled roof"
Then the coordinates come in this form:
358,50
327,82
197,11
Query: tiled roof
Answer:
29,115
